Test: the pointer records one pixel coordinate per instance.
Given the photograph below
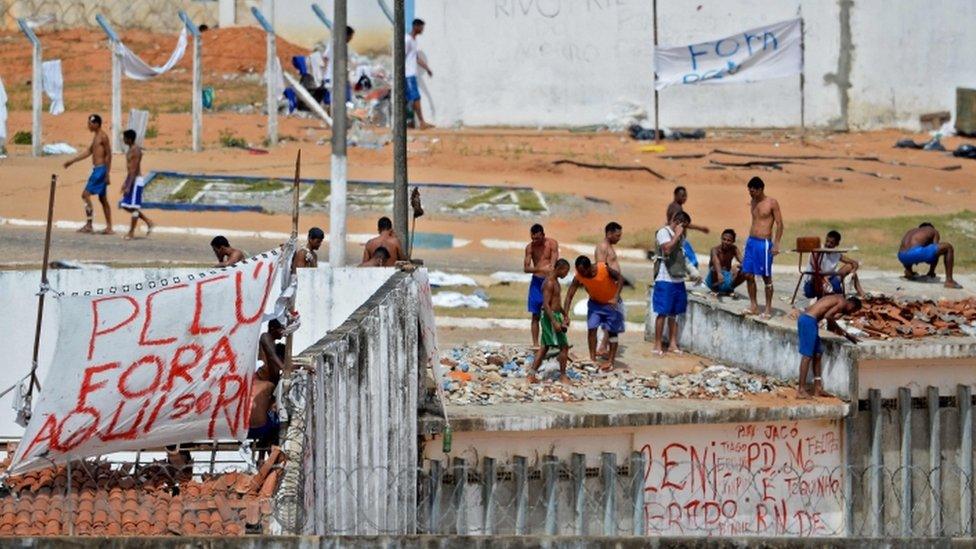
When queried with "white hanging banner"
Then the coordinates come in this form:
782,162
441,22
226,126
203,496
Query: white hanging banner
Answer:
137,69
150,364
762,53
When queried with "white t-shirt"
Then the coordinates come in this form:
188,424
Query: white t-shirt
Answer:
664,235
828,264
410,49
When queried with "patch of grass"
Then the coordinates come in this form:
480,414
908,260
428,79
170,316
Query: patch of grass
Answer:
22,138
529,201
265,186
484,197
152,132
188,190
228,139
319,193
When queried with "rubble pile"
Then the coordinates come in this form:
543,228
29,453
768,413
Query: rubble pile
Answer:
492,373
884,318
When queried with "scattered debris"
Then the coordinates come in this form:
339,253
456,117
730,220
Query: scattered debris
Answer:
879,175
771,164
965,151
797,157
916,200
492,373
455,300
609,167
933,144
683,156
884,318
596,200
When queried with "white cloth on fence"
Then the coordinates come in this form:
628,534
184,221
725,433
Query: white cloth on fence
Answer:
762,53
316,67
279,78
3,112
53,83
137,69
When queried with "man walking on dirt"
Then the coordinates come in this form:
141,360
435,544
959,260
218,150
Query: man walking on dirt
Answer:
540,256
132,188
761,245
386,239
413,60
101,152
923,245
831,308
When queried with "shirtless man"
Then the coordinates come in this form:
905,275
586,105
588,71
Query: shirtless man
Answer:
386,239
923,245
555,323
606,253
678,205
132,188
831,308
101,152
307,256
379,259
540,255
226,256
264,421
722,277
603,285
761,245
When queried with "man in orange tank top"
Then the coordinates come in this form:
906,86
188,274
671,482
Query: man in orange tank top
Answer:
603,285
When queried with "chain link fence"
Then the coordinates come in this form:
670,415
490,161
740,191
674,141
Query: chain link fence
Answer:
155,15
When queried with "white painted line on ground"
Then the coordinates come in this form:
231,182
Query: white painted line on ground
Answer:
512,324
578,247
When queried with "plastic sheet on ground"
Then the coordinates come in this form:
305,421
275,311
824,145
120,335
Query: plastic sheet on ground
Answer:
440,278
59,148
455,300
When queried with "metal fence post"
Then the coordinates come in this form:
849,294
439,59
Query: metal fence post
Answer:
521,493
488,476
608,477
434,506
964,400
460,507
905,418
579,492
638,464
877,464
935,461
549,477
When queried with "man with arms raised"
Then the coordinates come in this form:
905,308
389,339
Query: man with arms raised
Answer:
761,245
603,285
828,308
386,239
101,152
132,188
540,255
923,245
555,323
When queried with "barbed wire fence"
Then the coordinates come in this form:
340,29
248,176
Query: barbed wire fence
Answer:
155,15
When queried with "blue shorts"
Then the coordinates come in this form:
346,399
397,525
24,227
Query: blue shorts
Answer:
669,298
757,259
327,96
609,317
724,287
98,181
269,428
132,200
534,301
690,254
919,254
809,334
413,92
808,286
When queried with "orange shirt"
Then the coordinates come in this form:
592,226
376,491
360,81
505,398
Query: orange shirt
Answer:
601,287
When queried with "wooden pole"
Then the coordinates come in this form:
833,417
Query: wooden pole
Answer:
294,238
337,187
400,194
657,136
40,298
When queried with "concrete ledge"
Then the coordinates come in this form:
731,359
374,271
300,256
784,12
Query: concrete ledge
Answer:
622,413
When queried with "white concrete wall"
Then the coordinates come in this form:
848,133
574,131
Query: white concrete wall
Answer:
567,62
324,300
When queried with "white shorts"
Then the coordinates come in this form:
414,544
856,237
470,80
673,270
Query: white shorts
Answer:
132,200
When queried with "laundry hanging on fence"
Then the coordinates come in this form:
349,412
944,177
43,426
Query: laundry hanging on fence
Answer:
152,363
137,69
53,83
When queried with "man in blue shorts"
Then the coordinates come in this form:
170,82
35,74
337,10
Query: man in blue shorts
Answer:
831,308
678,205
670,297
101,152
540,256
132,188
603,285
722,277
923,245
412,61
761,246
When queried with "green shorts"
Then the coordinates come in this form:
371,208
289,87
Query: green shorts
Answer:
550,336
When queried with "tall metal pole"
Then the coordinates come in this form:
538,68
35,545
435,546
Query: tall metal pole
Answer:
40,297
657,135
337,191
271,97
196,102
113,44
37,88
400,194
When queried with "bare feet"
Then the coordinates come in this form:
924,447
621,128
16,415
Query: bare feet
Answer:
952,284
128,236
86,229
564,379
751,311
149,228
801,392
426,126
605,367
532,379
106,230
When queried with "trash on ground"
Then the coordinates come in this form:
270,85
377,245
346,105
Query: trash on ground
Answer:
58,148
884,318
455,300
